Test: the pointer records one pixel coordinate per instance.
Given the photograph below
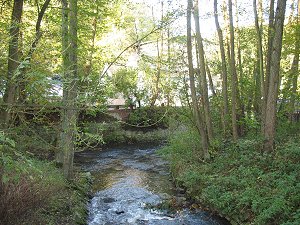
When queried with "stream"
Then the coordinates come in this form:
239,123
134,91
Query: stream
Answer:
129,179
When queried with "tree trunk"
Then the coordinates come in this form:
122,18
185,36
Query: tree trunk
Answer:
240,90
234,79
69,111
13,62
159,48
89,66
224,71
260,78
274,79
65,67
294,72
156,90
268,62
210,80
203,81
197,114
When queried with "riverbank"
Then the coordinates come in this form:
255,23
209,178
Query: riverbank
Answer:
34,191
39,191
240,182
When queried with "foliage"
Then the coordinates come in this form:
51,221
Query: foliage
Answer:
124,81
35,192
149,117
241,182
37,138
238,179
90,135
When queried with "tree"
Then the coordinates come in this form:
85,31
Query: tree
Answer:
202,69
274,78
271,30
196,112
22,95
234,78
69,110
294,71
13,61
225,111
260,79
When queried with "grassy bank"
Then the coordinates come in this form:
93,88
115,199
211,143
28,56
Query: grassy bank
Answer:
33,191
240,182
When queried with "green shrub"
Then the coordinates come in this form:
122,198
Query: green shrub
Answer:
149,116
35,192
36,139
241,182
25,186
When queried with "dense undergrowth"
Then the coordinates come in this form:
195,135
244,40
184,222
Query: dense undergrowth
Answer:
241,182
34,191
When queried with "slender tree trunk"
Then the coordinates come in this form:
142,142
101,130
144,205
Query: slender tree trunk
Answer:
197,114
268,62
203,81
295,66
234,79
224,71
240,90
159,60
210,80
89,65
13,62
169,68
157,77
257,92
274,79
260,55
65,67
69,111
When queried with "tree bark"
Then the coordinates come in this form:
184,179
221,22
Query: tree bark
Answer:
260,55
65,67
224,71
13,62
294,72
268,62
69,112
240,74
203,80
196,112
210,80
274,79
234,79
89,65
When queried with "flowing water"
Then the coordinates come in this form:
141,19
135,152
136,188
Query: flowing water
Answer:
129,179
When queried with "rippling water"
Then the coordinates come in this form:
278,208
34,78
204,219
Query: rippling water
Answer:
127,180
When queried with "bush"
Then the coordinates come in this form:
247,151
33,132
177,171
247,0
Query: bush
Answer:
155,117
35,192
25,186
241,182
36,139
